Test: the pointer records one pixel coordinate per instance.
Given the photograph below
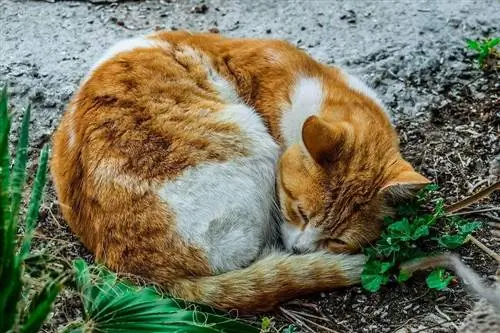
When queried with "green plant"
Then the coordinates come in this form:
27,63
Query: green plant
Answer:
21,310
485,49
269,325
111,305
266,324
409,236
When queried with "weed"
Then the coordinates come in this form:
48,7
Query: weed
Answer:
268,325
485,50
409,235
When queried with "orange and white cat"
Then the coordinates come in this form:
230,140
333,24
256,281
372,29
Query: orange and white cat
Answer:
169,157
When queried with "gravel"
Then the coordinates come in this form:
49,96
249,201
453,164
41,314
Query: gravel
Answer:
407,50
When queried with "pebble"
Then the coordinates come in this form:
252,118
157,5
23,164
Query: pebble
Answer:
200,9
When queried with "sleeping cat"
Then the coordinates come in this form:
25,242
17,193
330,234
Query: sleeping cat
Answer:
170,155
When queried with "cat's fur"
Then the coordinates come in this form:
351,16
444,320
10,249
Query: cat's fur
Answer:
167,158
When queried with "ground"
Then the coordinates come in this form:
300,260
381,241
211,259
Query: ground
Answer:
412,52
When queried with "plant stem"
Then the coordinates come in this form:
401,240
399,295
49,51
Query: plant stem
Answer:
483,247
473,198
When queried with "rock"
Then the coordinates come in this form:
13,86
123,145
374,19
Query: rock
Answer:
200,9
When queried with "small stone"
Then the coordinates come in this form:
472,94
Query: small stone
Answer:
350,16
454,22
200,9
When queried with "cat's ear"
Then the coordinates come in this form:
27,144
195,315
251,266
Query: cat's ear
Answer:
324,142
404,182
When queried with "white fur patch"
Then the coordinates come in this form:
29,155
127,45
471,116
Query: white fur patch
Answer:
299,240
352,266
306,100
125,46
359,86
225,89
225,207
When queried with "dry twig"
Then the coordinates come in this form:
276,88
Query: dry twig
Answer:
473,198
296,319
299,318
483,247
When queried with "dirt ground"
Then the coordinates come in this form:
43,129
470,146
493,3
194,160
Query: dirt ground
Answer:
413,53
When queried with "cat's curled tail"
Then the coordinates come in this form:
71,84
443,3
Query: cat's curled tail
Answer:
274,279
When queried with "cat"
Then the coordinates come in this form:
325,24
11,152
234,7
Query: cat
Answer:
170,156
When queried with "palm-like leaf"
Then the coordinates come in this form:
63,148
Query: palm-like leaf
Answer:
112,305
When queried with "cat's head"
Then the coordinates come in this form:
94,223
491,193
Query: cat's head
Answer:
336,186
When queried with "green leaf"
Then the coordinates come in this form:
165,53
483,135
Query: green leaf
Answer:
374,275
19,169
388,220
468,228
385,246
113,305
403,276
452,241
420,232
10,267
473,44
438,279
4,146
439,208
289,329
400,230
494,42
41,306
265,323
385,267
11,294
35,201
373,282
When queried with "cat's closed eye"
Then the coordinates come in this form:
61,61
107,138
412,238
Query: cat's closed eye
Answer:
338,245
337,241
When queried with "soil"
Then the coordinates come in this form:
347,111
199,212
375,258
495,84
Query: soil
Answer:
413,53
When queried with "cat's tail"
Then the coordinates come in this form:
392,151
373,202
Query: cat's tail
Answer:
272,280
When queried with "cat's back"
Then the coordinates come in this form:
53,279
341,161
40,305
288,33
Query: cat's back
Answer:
153,128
